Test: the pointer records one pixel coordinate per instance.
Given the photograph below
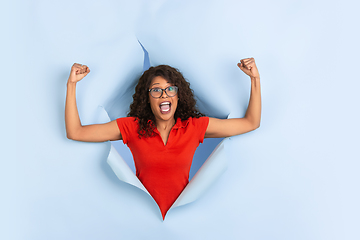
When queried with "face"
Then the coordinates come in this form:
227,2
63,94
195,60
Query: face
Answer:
164,107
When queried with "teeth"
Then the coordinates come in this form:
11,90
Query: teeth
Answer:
165,107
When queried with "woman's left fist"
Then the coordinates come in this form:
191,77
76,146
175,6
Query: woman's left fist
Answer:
248,66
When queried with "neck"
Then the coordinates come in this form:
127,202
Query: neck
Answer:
165,124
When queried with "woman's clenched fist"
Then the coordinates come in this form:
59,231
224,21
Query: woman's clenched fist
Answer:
78,72
248,66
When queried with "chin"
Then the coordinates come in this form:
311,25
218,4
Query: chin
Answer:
166,117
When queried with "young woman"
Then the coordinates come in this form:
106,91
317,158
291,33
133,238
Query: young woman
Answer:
163,128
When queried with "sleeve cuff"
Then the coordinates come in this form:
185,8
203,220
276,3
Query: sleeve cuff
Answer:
204,124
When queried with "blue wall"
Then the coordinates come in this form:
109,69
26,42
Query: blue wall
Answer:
296,177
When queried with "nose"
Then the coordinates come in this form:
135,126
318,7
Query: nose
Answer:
163,94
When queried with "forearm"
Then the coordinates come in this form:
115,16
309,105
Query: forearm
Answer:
72,120
253,113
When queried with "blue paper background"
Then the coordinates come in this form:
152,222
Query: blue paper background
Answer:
296,177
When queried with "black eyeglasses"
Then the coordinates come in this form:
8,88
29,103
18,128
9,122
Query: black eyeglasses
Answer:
171,91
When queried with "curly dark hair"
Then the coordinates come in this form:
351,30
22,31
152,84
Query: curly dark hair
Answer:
140,107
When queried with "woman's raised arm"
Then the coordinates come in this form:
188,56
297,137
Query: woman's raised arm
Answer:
74,129
235,126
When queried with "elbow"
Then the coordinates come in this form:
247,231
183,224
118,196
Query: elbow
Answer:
71,136
256,125
253,124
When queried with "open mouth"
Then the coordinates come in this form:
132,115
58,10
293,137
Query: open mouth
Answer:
165,107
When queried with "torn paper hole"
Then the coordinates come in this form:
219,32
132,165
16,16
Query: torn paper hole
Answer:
121,161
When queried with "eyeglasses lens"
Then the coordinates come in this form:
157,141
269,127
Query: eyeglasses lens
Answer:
156,92
170,91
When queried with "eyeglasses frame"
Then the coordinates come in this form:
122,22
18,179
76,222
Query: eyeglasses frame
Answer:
164,90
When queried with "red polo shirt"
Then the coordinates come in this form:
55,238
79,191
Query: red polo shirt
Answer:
164,169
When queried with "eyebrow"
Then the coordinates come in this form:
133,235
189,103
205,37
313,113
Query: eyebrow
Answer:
158,83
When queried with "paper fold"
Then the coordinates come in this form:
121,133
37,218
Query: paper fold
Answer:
214,166
122,170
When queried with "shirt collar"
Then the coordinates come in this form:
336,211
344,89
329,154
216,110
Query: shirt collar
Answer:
178,124
181,124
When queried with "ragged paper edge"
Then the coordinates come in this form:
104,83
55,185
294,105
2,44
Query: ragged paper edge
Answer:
214,166
122,170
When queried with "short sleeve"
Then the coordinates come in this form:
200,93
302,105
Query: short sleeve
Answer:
128,128
201,125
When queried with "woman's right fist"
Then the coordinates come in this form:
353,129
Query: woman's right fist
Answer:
78,72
